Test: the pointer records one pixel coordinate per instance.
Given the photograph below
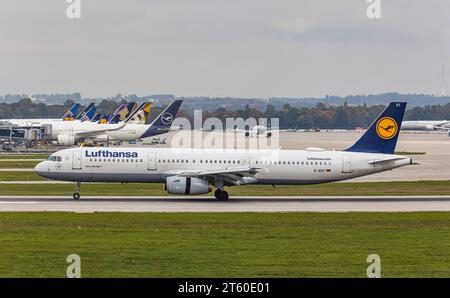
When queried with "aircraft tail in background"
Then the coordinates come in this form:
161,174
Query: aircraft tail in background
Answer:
140,115
122,112
70,114
89,114
85,110
164,121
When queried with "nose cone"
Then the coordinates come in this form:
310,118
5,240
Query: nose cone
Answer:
42,169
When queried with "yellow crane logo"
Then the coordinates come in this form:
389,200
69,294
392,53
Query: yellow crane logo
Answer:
387,128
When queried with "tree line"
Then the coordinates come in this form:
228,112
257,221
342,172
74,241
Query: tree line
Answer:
321,116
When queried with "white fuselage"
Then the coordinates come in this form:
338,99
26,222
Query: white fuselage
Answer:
77,129
33,122
156,164
426,125
128,133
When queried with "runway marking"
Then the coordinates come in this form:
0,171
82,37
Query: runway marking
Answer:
89,204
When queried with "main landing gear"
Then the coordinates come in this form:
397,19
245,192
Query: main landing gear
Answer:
221,195
76,195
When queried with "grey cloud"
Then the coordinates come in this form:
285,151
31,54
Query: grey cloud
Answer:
209,47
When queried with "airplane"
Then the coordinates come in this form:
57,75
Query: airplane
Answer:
261,131
186,171
135,129
69,132
69,115
431,125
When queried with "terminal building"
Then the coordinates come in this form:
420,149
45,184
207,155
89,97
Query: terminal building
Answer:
13,135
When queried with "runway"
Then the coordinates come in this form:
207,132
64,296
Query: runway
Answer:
236,204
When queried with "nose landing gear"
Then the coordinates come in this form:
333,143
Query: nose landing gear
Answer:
76,195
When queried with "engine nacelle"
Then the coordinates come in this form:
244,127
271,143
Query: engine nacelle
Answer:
430,127
187,186
66,140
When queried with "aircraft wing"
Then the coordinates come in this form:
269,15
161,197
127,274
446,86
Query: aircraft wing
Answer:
97,132
435,126
234,176
440,126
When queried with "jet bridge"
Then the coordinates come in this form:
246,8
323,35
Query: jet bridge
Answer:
16,133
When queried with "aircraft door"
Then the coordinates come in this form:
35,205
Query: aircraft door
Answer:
152,161
346,163
246,161
76,160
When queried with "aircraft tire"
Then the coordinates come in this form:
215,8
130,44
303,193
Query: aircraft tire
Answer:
221,195
76,196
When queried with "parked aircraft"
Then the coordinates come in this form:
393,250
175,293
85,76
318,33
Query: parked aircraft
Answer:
195,171
69,115
135,129
68,133
427,125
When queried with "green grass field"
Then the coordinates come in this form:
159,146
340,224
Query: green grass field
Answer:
225,245
23,156
21,164
20,176
140,189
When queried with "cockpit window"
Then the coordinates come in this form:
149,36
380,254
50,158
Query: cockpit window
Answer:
54,158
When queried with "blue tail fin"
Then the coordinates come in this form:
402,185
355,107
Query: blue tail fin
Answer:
89,114
96,118
116,115
122,112
163,122
382,135
70,114
84,111
104,119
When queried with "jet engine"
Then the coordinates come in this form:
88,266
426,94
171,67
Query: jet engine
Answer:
66,140
187,186
430,127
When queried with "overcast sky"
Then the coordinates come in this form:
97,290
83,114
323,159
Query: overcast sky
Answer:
240,48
